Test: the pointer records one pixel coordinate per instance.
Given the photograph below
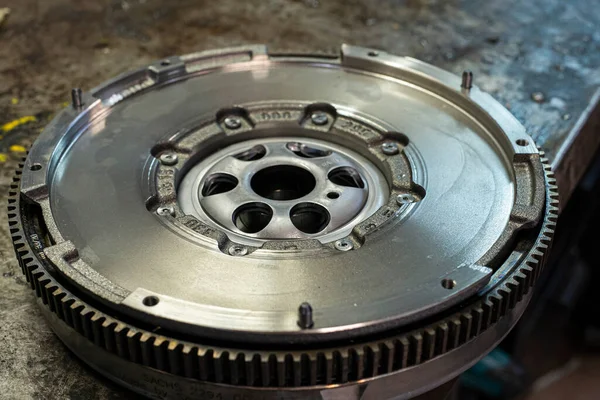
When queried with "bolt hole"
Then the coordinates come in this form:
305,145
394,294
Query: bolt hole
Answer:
522,142
448,284
150,301
252,217
255,153
373,53
343,245
333,195
346,176
35,167
309,218
305,151
165,63
218,183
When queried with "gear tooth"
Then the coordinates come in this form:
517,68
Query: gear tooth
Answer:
108,333
65,304
57,297
159,352
121,332
274,371
297,369
206,365
36,274
340,366
512,292
416,349
495,306
145,348
466,321
401,353
312,372
50,289
490,310
265,371
521,279
237,369
504,295
527,271
454,330
478,321
189,355
42,283
386,359
325,362
134,345
96,322
429,338
355,364
252,368
174,352
85,316
32,274
74,311
287,370
220,362
373,360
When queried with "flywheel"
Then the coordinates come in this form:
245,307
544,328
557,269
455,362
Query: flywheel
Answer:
238,224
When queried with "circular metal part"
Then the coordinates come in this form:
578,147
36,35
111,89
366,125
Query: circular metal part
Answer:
164,211
344,245
233,123
319,118
281,188
237,250
255,226
168,159
406,198
390,148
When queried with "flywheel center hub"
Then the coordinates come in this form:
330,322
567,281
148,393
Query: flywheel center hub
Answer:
237,222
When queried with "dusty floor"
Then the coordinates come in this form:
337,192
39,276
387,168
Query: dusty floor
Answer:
540,58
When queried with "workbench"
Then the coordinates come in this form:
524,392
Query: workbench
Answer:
540,58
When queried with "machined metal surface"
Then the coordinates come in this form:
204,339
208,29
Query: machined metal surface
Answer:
285,221
287,177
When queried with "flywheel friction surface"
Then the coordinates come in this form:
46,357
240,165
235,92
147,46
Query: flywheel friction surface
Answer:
239,224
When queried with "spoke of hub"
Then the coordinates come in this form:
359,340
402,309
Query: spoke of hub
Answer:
281,225
222,206
230,165
349,202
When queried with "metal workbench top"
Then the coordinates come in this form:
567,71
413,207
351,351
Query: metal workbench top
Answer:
540,58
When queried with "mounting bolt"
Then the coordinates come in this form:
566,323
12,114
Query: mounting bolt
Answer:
305,316
168,159
406,198
77,98
467,80
232,123
390,148
237,250
319,118
344,245
165,211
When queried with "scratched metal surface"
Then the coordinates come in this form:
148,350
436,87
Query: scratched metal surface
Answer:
540,58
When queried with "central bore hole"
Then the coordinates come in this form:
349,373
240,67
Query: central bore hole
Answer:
283,182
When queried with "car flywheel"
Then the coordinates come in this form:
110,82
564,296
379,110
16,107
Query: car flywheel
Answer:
237,224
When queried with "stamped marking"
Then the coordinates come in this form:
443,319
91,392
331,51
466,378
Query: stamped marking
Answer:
355,127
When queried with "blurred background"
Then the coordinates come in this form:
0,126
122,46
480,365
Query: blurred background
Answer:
540,58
